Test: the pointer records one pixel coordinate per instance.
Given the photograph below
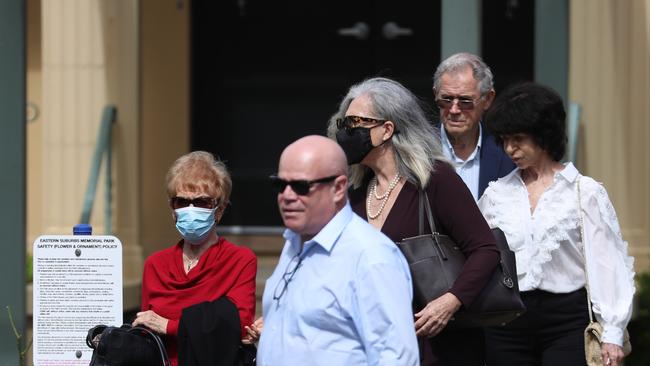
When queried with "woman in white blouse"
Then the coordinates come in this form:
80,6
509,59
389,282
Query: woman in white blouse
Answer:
537,208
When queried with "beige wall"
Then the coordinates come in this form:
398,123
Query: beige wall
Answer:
131,54
88,60
34,136
610,77
165,126
83,55
34,127
120,22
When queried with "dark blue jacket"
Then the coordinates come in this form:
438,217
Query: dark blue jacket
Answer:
494,161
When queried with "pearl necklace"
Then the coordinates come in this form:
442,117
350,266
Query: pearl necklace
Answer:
391,185
383,198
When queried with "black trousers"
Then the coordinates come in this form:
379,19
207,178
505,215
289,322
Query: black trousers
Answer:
550,333
461,347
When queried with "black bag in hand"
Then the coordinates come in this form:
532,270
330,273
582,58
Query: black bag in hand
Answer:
126,346
436,261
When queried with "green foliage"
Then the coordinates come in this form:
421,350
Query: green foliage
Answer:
29,272
639,326
20,342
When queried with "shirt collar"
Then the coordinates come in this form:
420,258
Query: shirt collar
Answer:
328,235
569,173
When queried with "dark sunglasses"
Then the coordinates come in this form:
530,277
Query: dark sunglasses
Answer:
301,187
464,103
203,202
349,122
291,269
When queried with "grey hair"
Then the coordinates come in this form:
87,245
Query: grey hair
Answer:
460,61
416,142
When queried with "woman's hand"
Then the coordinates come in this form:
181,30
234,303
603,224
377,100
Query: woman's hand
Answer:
254,331
612,354
152,321
434,317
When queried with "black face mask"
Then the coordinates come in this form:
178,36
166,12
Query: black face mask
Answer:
355,142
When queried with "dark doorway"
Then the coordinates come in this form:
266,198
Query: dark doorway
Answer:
508,40
265,73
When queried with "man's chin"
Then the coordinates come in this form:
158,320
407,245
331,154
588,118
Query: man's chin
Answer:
291,215
456,126
292,223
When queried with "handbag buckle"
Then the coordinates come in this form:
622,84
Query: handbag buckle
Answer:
508,282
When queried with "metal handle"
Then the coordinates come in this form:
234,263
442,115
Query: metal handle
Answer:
359,30
32,112
391,31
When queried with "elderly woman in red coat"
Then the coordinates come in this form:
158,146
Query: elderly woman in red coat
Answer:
202,266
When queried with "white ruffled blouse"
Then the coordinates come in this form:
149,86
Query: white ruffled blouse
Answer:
548,247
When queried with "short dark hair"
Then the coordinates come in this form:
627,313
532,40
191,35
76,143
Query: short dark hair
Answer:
531,109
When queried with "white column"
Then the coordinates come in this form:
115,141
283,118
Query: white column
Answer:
74,92
90,59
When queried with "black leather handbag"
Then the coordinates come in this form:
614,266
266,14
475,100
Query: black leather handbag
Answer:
436,261
126,346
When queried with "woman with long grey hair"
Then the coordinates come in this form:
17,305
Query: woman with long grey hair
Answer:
395,152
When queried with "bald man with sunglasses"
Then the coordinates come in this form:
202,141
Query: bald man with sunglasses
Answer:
341,292
463,90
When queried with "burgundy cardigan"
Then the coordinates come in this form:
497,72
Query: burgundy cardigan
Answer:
455,214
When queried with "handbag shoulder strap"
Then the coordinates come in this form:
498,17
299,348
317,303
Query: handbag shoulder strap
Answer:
162,351
584,252
424,205
92,333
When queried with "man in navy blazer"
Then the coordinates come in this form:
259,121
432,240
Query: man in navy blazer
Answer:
463,89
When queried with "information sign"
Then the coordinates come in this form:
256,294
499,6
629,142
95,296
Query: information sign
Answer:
77,285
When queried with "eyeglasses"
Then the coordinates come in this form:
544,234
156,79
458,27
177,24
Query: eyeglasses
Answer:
464,103
203,202
350,122
301,187
282,285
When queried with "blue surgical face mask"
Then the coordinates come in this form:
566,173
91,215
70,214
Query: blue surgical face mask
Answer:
195,223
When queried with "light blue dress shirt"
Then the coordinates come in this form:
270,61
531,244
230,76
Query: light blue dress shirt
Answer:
467,169
347,303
